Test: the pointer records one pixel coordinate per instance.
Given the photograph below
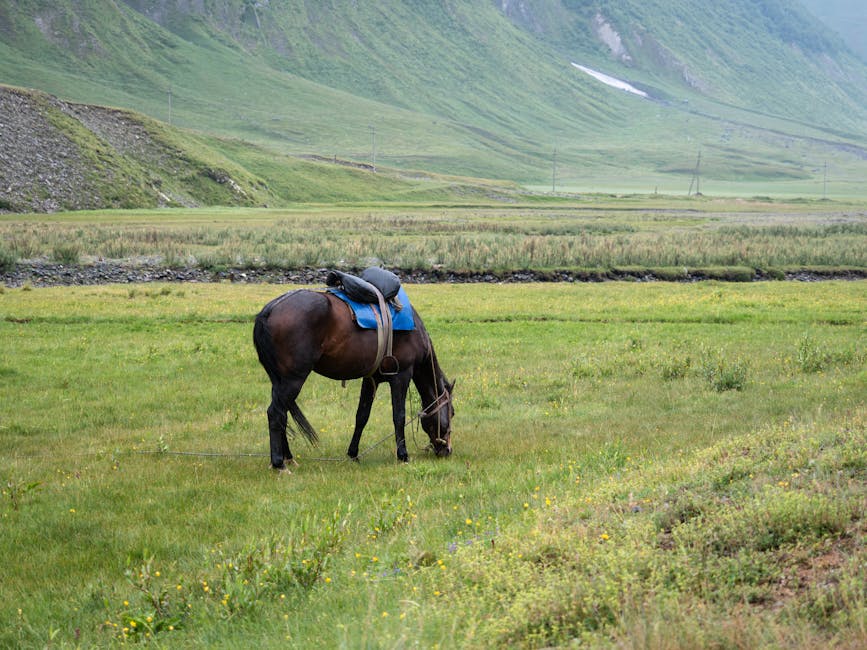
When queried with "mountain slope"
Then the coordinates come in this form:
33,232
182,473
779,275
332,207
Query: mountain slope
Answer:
58,155
847,17
62,156
471,87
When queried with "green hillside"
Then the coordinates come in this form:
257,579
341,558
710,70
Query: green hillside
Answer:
769,95
847,17
64,156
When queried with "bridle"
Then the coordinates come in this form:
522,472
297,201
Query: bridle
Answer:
434,408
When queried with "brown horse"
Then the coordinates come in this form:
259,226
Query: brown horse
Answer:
311,331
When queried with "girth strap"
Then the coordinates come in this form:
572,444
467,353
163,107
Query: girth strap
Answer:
385,362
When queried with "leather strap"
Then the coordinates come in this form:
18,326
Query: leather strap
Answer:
384,334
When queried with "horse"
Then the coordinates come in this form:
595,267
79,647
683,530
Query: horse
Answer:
306,331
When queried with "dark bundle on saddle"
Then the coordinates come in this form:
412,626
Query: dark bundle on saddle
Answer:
363,289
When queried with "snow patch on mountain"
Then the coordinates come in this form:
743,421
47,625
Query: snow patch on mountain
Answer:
612,81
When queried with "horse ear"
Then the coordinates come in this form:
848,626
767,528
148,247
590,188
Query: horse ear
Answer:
451,386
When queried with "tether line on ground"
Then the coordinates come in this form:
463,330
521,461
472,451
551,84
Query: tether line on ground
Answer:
202,454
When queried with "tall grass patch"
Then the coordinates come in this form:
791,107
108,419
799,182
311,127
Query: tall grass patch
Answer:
729,241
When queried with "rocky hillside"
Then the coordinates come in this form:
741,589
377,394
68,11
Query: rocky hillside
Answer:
57,155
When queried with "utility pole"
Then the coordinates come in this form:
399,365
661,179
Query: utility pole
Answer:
170,105
373,146
554,174
825,183
696,178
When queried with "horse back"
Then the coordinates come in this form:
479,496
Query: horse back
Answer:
288,332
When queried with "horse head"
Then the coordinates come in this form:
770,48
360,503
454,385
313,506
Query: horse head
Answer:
436,420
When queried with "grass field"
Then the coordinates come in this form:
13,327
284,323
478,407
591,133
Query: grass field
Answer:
595,232
653,465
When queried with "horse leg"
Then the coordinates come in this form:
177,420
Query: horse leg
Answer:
283,393
362,414
399,387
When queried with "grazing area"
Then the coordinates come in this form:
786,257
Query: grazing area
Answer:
637,465
643,426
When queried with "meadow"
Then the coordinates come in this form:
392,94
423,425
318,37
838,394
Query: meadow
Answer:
662,234
636,465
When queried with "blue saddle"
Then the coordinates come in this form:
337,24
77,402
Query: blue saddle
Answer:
402,321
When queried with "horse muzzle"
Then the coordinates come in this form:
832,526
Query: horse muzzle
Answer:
442,448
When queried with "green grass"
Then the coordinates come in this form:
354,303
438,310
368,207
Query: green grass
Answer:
722,239
602,488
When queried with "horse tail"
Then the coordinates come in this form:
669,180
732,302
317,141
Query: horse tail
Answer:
305,426
264,343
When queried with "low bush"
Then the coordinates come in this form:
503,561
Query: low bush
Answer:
722,373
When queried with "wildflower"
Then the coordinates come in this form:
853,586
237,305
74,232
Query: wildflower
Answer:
385,615
126,603
469,521
133,624
327,580
603,537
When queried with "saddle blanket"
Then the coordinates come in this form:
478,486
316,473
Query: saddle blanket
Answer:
402,321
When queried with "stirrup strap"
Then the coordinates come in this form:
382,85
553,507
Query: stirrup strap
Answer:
384,336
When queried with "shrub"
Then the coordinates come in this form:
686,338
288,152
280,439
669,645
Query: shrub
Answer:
722,373
8,259
675,368
811,357
66,253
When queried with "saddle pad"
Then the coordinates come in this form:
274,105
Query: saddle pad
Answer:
402,321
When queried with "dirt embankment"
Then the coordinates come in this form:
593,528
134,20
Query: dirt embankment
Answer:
57,155
41,170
